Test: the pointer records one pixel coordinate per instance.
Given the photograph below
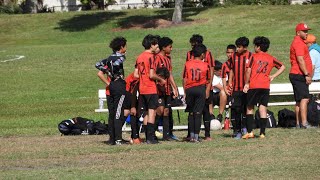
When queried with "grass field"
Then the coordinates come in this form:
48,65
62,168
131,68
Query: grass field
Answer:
57,80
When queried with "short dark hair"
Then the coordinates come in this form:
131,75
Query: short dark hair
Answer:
196,39
217,65
242,41
232,46
117,43
198,49
164,42
163,72
262,42
149,40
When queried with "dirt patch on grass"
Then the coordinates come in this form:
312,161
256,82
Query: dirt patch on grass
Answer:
157,23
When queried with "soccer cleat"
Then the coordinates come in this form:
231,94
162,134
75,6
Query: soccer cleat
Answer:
238,136
153,141
136,141
244,131
248,135
262,136
118,142
172,136
188,138
207,139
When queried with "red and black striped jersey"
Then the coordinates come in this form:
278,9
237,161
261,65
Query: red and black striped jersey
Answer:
225,69
131,83
238,64
164,61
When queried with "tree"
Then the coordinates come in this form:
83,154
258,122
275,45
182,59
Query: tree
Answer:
30,6
177,13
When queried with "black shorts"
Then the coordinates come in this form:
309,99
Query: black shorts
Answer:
300,88
238,99
216,98
164,101
258,97
195,99
129,101
148,101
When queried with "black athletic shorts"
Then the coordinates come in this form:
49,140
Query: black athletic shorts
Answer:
195,99
148,101
164,101
258,97
238,99
300,88
216,98
128,101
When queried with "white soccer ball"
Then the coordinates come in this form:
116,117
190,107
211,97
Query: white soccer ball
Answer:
215,125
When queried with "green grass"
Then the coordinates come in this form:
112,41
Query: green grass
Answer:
57,80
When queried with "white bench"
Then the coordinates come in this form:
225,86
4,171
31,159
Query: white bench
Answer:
279,89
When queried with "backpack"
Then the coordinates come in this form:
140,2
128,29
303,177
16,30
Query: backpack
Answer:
271,122
313,113
80,125
286,118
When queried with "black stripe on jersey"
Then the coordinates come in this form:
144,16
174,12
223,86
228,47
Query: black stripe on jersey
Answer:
243,70
212,62
239,71
277,63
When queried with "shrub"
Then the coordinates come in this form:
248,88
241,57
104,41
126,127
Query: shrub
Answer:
10,9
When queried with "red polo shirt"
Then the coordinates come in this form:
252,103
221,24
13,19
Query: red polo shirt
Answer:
299,48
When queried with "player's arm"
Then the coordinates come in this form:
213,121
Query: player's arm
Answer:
173,85
136,73
247,79
103,78
278,72
304,69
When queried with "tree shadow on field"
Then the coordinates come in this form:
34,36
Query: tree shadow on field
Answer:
162,18
85,22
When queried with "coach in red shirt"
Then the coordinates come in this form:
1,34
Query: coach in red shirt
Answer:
300,74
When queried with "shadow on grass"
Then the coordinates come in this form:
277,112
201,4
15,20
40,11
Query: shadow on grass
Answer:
88,21
144,21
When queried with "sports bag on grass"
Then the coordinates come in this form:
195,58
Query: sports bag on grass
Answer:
286,118
271,122
80,125
313,115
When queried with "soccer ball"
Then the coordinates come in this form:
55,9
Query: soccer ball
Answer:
215,125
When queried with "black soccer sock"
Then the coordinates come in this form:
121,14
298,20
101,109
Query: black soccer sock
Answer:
151,132
145,131
197,123
156,122
170,121
263,124
237,121
249,122
206,121
165,125
134,127
190,124
233,120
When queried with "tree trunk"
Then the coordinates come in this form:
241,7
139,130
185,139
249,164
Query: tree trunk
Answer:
30,6
177,13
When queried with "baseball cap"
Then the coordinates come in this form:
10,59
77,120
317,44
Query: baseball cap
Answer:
302,27
311,39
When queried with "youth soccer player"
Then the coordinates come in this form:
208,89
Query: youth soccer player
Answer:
145,70
237,63
113,67
196,84
163,60
131,104
197,39
257,84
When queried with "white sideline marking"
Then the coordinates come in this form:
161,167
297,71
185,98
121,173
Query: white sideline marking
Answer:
17,57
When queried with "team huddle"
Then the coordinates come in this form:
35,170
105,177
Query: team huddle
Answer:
243,81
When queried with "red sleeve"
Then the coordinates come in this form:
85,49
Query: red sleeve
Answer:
276,63
188,56
209,59
152,63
